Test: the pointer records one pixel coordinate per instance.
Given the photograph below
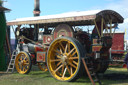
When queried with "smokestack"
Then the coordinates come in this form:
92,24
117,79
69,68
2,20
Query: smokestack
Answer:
36,11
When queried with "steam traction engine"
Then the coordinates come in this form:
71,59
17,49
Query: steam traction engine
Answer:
61,44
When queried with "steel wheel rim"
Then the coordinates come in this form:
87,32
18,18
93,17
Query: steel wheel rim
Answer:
22,63
63,59
42,66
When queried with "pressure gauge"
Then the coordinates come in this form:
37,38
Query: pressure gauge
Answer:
17,33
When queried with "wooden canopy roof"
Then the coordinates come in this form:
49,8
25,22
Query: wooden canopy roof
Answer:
71,18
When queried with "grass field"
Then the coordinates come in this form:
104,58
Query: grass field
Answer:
113,76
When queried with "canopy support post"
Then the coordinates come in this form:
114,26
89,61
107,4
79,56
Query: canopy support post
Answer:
106,28
102,27
97,28
36,31
111,27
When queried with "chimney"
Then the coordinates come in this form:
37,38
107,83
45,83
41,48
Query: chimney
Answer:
36,11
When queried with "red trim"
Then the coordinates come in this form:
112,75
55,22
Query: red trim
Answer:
41,56
21,42
36,12
96,48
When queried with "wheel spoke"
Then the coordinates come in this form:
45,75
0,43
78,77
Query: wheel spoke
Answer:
25,58
58,56
58,68
72,65
70,51
75,62
71,70
61,51
24,68
21,58
55,60
66,48
74,53
68,69
19,64
63,68
26,63
27,66
64,72
61,45
56,51
73,58
59,63
21,67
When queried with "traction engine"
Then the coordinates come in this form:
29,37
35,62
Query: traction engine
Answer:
61,47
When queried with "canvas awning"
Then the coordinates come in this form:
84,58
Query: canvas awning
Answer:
2,40
71,18
4,9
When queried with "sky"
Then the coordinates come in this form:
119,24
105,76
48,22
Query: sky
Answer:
24,8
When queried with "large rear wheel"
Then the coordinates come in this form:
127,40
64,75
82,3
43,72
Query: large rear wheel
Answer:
64,59
23,63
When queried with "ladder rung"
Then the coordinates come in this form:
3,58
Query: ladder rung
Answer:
11,63
13,55
10,68
12,59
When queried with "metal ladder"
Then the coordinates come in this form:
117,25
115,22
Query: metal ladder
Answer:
91,74
12,62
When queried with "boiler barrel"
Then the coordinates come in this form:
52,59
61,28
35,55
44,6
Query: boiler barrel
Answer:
34,48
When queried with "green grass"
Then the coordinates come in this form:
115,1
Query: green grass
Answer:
37,77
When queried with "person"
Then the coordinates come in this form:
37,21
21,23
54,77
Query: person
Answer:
126,59
17,33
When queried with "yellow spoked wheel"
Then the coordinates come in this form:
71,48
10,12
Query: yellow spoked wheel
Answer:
42,66
63,59
23,63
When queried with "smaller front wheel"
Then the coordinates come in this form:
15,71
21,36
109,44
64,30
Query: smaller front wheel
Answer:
23,63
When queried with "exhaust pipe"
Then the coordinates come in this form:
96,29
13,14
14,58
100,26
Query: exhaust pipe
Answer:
36,11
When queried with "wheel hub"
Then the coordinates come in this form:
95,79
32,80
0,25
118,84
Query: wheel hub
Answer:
22,62
64,59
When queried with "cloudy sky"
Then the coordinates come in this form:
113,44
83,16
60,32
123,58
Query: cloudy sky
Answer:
24,8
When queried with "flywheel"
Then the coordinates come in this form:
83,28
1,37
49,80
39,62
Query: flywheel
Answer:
63,30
